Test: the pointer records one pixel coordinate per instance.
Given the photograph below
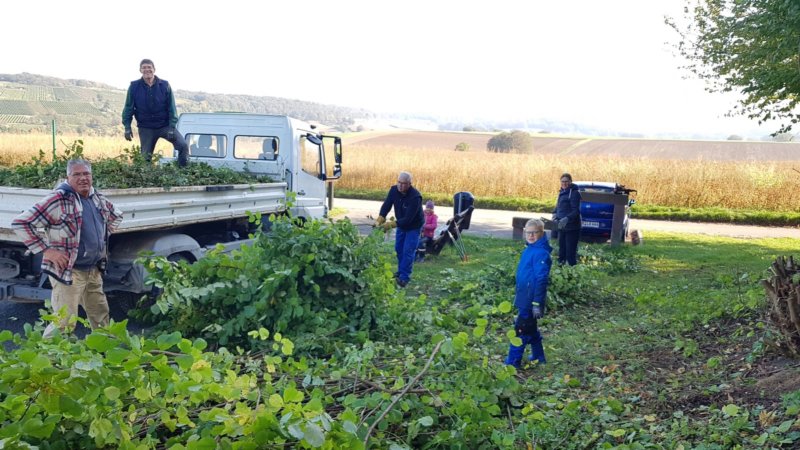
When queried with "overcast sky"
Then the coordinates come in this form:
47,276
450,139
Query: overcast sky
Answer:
601,63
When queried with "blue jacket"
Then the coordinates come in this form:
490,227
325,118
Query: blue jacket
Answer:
569,205
153,106
407,208
533,274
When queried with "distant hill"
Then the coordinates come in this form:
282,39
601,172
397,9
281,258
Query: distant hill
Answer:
30,102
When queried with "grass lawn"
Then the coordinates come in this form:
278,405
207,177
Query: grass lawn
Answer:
662,347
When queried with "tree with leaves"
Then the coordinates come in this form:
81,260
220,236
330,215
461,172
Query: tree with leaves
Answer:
749,46
507,142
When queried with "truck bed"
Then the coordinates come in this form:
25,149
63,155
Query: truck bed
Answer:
160,208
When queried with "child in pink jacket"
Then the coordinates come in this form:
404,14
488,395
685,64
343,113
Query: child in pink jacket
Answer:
431,222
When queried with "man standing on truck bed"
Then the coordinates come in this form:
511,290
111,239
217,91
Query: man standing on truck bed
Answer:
71,226
150,100
407,204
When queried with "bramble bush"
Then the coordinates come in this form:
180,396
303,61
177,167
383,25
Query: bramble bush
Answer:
309,280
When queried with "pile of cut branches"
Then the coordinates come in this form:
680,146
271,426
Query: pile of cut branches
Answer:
783,295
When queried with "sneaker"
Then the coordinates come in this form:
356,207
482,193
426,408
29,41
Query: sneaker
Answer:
402,283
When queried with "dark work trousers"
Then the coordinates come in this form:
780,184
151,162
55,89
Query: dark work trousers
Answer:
568,246
530,336
149,136
405,245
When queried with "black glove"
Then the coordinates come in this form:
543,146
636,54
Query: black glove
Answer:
537,312
171,134
562,223
128,135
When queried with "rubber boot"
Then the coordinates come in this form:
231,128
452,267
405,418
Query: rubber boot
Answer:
537,349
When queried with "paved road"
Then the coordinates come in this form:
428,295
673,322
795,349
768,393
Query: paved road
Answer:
490,222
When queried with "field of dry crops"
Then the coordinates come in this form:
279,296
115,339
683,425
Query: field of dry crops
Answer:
19,148
746,185
373,164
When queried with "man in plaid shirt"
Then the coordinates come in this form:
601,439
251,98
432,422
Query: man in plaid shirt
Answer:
71,226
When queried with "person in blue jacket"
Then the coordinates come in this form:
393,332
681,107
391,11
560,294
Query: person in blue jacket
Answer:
568,217
150,100
533,274
409,218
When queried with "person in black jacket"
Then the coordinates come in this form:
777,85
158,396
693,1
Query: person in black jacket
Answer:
407,204
150,100
568,217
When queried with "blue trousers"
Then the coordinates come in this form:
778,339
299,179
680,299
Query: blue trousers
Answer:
568,246
530,337
149,136
405,246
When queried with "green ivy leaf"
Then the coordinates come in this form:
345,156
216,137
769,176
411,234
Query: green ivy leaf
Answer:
618,433
100,343
69,407
167,341
425,421
276,401
314,435
730,410
101,430
504,307
292,395
111,392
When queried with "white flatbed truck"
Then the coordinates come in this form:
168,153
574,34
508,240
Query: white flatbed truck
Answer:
184,222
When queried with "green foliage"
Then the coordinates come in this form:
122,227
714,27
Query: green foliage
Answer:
127,170
513,141
114,390
462,147
313,279
747,46
620,374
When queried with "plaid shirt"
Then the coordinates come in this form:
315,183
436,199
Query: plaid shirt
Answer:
55,222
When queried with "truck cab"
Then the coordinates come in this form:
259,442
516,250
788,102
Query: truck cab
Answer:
287,149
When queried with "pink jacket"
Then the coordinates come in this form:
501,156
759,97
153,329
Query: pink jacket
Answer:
431,222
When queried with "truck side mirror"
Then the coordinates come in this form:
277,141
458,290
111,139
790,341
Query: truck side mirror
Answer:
337,157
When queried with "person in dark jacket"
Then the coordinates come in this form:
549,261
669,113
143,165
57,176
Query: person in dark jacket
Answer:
150,100
533,274
568,217
409,218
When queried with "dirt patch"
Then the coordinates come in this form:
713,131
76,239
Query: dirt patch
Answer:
678,383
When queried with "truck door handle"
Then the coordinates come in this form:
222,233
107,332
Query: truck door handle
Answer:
301,193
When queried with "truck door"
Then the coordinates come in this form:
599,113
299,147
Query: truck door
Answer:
310,183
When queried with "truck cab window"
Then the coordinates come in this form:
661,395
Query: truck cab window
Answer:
206,145
264,148
310,157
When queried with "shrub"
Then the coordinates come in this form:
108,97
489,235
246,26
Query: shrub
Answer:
506,142
316,278
462,147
